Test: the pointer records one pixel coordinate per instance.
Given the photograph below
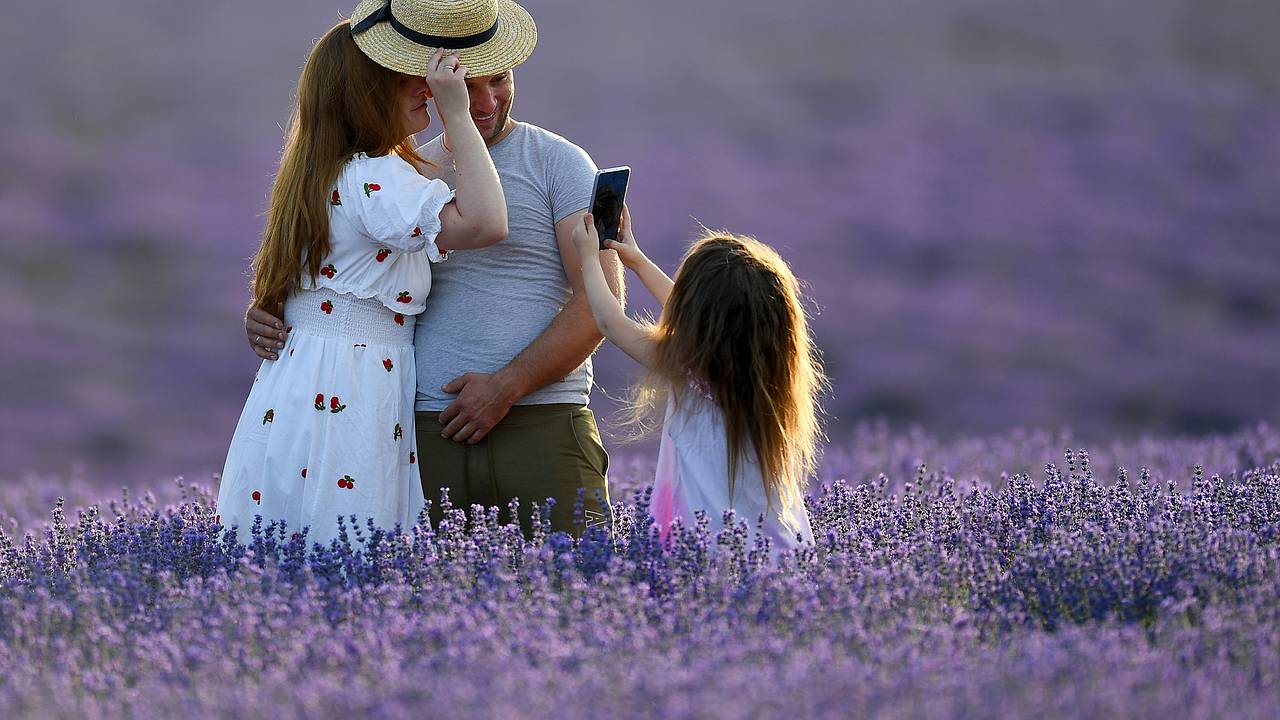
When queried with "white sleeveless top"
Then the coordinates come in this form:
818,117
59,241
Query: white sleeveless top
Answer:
693,474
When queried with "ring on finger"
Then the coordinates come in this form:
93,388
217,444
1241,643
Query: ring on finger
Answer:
257,339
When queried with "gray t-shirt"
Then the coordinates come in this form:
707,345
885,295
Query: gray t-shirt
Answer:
487,305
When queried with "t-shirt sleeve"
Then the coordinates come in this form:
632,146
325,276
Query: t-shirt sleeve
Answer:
571,177
391,204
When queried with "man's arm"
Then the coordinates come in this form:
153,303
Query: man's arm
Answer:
484,398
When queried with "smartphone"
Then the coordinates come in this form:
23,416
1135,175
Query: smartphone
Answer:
606,203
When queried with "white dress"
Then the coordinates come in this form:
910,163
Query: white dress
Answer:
328,427
693,474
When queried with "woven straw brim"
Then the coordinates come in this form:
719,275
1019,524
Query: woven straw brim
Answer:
511,46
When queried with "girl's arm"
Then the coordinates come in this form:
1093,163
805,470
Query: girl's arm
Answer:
477,217
632,337
634,258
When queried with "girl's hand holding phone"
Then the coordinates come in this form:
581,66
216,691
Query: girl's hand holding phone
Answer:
628,251
586,240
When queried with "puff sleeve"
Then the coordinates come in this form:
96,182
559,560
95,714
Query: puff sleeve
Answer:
390,203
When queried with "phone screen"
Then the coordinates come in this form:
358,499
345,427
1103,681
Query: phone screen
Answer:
606,207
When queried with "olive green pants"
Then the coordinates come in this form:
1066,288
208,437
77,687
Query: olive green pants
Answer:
534,453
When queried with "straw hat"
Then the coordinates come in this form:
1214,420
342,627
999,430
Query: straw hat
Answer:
489,36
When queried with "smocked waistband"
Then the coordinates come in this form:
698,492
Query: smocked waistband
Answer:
326,313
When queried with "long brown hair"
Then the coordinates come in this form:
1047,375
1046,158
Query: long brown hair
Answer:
346,104
735,326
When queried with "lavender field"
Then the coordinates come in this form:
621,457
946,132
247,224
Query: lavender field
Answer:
1026,228
1082,590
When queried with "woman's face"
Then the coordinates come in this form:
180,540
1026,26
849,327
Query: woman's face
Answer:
414,94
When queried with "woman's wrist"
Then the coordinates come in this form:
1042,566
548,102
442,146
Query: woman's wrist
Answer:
457,119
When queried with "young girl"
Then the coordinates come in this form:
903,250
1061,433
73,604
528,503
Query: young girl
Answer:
351,231
731,357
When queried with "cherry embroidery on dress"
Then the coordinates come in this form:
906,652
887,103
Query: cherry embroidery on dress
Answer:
257,497
320,401
387,364
304,472
335,405
334,199
327,307
346,481
329,271
416,232
383,254
399,319
397,433
412,458
269,417
370,188
404,297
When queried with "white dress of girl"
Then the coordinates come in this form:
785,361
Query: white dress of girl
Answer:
328,427
693,474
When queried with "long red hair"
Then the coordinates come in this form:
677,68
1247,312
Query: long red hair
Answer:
346,104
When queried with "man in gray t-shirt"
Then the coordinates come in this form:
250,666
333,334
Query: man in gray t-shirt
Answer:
488,305
503,348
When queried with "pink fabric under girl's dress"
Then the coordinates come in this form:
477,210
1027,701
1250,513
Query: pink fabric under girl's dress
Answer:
693,474
328,427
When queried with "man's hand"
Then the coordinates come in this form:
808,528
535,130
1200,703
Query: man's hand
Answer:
483,400
265,331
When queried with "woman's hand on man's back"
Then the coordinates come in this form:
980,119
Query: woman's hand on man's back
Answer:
265,332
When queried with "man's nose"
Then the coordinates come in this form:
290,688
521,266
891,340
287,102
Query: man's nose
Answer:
483,101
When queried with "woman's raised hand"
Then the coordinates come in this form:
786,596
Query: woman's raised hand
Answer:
446,76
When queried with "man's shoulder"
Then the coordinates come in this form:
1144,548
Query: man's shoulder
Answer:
439,161
550,142
564,170
432,148
528,134
541,134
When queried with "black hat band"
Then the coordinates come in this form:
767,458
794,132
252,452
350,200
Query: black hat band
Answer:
432,41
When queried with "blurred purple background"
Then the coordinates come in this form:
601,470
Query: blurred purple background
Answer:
1009,212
